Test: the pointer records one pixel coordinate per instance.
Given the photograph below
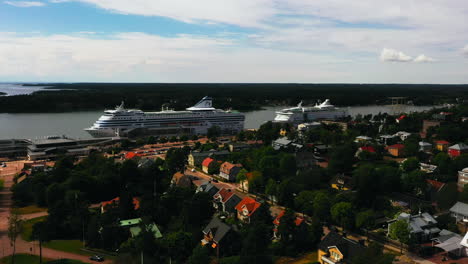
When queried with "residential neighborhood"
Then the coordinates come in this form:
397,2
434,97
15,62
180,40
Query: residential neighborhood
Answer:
376,187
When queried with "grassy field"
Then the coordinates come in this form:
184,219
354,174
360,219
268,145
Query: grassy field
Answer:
22,259
304,259
30,210
72,246
27,227
31,259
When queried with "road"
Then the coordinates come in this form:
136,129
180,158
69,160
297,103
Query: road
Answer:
22,246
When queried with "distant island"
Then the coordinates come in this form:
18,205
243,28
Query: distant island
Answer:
61,97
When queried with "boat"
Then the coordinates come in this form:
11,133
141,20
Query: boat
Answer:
195,120
301,114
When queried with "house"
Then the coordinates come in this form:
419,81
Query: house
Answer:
434,187
460,212
246,208
132,155
457,150
305,159
462,178
396,150
403,135
425,146
115,202
423,226
362,139
307,126
135,227
442,145
453,244
207,187
207,164
299,222
387,139
181,180
342,182
229,171
236,147
427,168
334,249
400,118
369,149
195,158
215,233
284,142
225,200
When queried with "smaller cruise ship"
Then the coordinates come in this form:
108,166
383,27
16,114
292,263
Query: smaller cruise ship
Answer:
300,114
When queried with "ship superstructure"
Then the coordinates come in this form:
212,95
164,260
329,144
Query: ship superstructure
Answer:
300,114
194,120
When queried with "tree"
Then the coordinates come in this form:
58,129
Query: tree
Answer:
373,254
365,219
39,233
342,214
399,230
321,206
410,164
200,255
241,177
342,159
14,229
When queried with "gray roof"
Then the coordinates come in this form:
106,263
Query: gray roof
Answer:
283,141
420,223
459,146
217,228
460,208
209,188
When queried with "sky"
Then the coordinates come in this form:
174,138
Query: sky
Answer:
239,41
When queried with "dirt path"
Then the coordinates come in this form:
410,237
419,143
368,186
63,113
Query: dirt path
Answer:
22,246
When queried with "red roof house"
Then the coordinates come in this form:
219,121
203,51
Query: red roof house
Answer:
400,118
298,222
457,150
368,149
442,145
115,201
206,164
246,208
131,155
229,171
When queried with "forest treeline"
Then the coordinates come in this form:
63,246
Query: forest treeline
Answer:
243,97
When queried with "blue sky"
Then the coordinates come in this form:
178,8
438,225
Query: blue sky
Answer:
372,41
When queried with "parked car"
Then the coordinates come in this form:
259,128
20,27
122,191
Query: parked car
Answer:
97,258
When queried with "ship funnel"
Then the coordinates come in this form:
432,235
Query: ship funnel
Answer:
204,104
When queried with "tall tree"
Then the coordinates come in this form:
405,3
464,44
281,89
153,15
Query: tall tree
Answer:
400,231
14,229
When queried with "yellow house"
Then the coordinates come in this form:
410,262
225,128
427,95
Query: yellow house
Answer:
442,145
341,182
283,132
335,248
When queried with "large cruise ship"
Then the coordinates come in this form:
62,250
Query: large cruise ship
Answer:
194,120
300,114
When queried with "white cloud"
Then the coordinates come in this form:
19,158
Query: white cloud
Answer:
465,50
424,58
24,3
394,56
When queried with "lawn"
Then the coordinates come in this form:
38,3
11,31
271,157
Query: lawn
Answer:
304,259
27,227
30,210
22,259
31,259
72,246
